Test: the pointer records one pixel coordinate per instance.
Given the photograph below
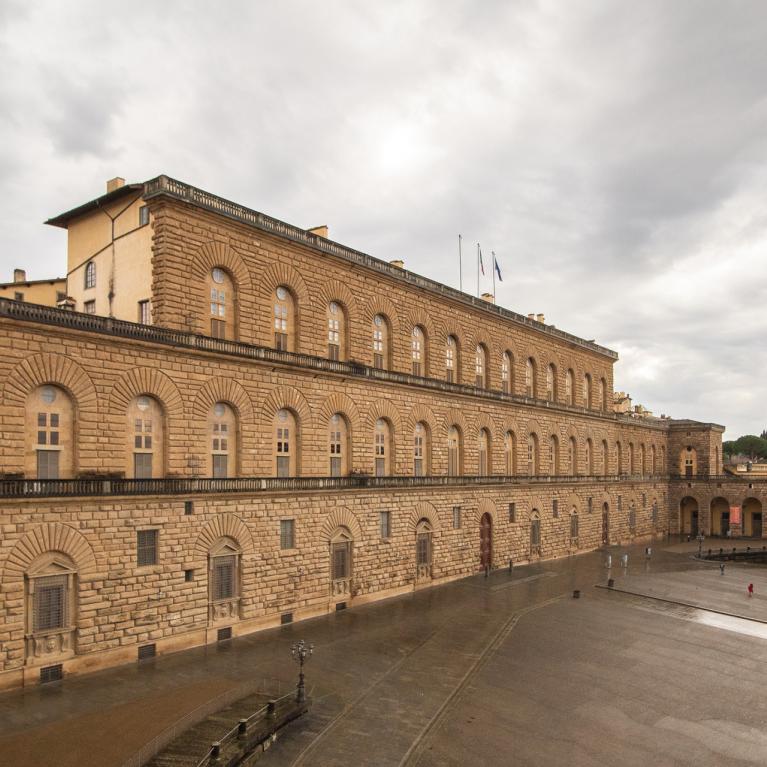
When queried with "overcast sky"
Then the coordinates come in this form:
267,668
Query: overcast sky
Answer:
611,153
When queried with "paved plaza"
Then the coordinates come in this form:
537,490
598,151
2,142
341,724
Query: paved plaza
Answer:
506,670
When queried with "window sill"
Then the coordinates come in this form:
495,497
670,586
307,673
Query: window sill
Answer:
288,552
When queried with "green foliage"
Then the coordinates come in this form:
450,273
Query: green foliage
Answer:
750,445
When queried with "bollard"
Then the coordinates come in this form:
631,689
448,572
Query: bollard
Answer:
487,571
242,728
625,560
511,565
215,750
610,583
271,708
609,561
576,594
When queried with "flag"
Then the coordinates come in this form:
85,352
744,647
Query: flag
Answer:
481,263
497,268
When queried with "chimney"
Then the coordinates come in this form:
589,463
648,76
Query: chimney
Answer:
398,263
530,316
320,231
19,275
541,318
489,297
115,183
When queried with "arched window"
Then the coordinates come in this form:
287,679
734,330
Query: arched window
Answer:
688,461
454,452
507,373
632,459
554,468
551,383
642,459
535,531
589,457
51,606
336,331
146,438
574,526
224,587
381,351
50,436
653,466
570,388
510,453
587,390
421,450
341,546
222,314
284,320
423,549
602,394
90,275
382,440
451,360
222,432
532,455
572,455
285,444
605,458
338,445
481,367
485,456
530,382
618,458
418,351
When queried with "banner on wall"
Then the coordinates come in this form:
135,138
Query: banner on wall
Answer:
734,515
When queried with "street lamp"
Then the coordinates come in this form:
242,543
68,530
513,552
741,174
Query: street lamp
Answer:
301,653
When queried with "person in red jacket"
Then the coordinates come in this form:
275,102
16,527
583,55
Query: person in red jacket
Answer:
751,589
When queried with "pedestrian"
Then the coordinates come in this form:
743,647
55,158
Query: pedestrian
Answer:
751,589
721,568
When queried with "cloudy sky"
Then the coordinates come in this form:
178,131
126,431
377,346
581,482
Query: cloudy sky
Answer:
611,153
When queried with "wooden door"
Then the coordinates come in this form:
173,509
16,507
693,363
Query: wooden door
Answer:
605,526
486,541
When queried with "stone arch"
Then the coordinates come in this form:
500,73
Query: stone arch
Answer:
423,510
52,536
218,253
338,402
455,417
55,369
220,389
149,381
280,273
382,305
335,290
485,506
340,517
420,413
290,399
383,408
418,316
533,426
223,526
454,329
572,500
536,502
484,421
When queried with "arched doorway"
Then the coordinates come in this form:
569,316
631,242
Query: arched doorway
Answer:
486,541
752,518
605,524
688,516
720,517
341,544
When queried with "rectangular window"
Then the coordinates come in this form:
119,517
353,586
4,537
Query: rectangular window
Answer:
188,508
574,526
418,467
620,503
416,368
223,585
334,352
287,534
590,504
380,467
385,523
49,604
283,466
89,307
60,295
449,375
220,466
143,215
456,517
188,576
340,561
146,547
512,512
143,312
555,508
18,296
47,464
378,361
335,466
644,501
218,328
281,342
142,465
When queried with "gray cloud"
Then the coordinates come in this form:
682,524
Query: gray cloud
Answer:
612,154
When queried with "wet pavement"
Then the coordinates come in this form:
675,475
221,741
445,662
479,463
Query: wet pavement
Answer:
484,671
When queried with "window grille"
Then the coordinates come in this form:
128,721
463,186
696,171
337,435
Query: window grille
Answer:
48,464
223,578
512,512
287,533
142,465
143,312
555,508
535,532
385,524
50,603
286,618
456,517
341,556
222,635
188,507
51,673
220,466
573,526
146,547
590,504
147,651
423,549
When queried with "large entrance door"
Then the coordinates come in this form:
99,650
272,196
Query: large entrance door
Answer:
757,525
694,524
486,541
605,524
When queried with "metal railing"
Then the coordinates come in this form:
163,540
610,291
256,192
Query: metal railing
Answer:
716,478
47,315
181,191
189,486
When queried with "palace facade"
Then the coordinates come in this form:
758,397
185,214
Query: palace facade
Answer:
231,423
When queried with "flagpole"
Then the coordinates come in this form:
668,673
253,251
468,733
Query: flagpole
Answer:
460,266
493,252
478,270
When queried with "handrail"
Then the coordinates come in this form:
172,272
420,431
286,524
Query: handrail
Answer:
716,478
91,323
60,488
181,191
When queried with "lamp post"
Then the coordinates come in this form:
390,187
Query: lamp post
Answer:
301,653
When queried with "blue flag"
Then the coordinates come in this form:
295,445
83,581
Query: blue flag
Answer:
497,269
481,263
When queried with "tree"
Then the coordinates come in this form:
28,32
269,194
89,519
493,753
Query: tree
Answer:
750,445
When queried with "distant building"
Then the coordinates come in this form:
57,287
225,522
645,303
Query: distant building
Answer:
46,292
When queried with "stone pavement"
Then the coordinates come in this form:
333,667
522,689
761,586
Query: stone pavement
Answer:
482,671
